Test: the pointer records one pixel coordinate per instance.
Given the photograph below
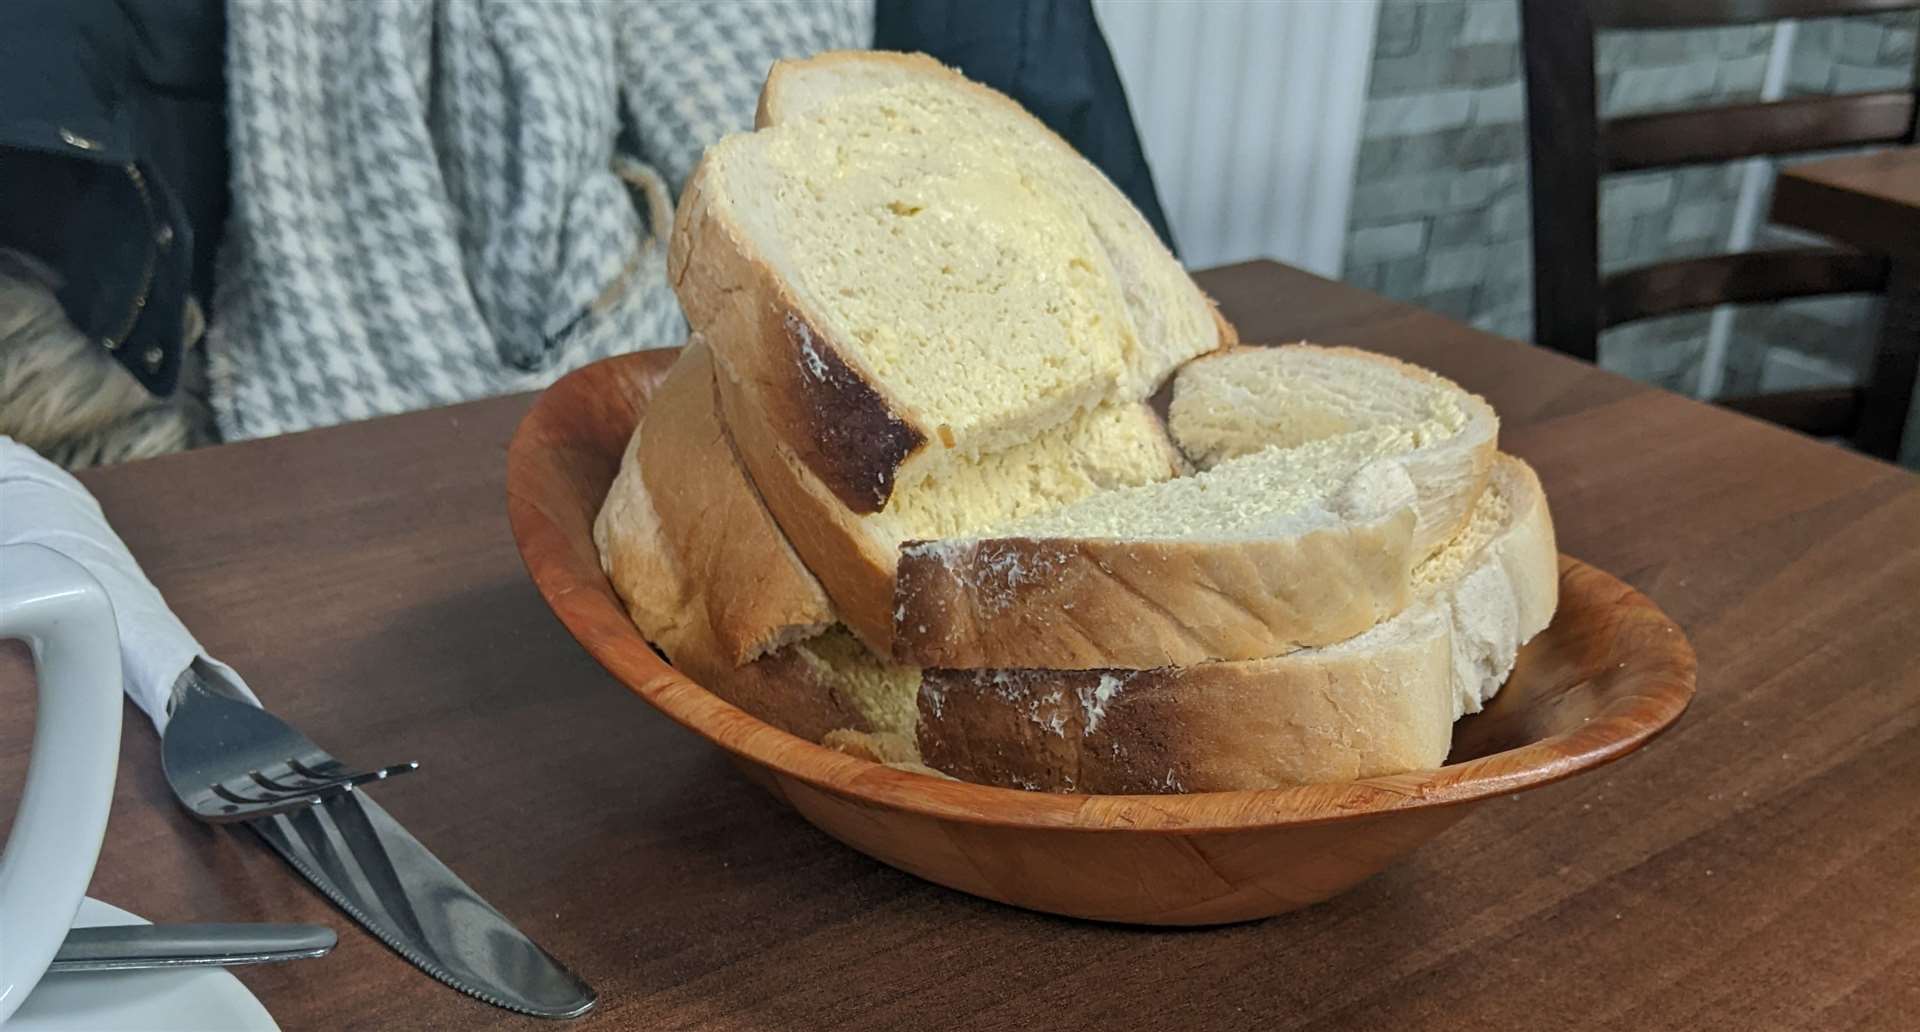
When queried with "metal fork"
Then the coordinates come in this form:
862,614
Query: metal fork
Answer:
228,760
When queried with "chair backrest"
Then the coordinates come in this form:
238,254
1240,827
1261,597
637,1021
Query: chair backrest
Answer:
1571,147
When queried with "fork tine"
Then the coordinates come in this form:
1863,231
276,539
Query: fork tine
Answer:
228,760
277,786
249,801
333,775
258,811
281,794
308,772
337,777
382,774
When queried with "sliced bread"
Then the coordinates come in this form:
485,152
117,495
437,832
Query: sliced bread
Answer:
682,457
855,556
668,609
1379,703
1368,466
1157,292
1257,556
921,272
640,564
824,683
1246,400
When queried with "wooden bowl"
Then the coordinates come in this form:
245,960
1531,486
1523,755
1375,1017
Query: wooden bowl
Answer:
1609,674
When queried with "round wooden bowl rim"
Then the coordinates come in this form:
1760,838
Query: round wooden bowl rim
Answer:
577,591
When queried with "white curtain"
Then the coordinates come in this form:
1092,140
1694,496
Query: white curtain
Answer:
1250,114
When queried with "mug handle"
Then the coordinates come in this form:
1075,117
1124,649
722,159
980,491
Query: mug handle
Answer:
62,613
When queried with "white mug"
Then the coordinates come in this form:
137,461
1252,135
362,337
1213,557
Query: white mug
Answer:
62,613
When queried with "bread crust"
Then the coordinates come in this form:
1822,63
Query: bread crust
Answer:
1382,703
638,562
780,688
833,413
1205,728
828,406
1017,602
753,587
768,110
1100,602
853,565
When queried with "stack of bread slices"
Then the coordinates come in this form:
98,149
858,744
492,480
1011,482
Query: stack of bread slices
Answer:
960,471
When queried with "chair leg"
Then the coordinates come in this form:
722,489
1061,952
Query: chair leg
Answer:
1896,361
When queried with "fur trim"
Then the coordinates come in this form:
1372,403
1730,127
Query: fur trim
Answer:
65,397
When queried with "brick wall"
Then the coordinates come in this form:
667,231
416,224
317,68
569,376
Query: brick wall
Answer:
1440,212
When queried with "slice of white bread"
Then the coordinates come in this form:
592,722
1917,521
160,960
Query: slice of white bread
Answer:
855,556
1260,555
1380,703
1246,400
1371,464
846,263
1157,292
668,609
681,457
756,592
815,687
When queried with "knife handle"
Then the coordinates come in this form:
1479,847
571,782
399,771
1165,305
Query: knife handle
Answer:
123,947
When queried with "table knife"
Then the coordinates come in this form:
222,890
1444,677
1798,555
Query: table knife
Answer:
383,878
229,761
130,947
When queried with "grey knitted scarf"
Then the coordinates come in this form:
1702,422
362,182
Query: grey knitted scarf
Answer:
437,200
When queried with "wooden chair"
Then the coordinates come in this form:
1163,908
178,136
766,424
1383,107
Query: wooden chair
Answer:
1571,147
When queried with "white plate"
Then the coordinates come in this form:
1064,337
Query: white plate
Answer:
192,1000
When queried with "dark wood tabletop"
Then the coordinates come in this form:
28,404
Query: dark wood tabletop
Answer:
1757,867
1871,202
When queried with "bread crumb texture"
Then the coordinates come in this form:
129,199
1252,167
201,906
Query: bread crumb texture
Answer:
1113,446
963,256
884,694
923,225
1252,399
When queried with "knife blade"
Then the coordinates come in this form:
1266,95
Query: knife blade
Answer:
383,878
130,947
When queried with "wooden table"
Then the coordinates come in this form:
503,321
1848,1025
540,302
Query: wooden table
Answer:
1872,202
1759,866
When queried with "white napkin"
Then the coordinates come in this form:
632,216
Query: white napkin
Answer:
42,504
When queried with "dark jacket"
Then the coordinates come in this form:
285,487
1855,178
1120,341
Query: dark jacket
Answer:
113,163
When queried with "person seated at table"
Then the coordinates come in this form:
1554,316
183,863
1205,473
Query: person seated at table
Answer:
388,208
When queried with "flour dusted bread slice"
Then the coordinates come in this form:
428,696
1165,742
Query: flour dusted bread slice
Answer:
1380,703
855,556
1293,534
1260,555
1246,400
919,273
